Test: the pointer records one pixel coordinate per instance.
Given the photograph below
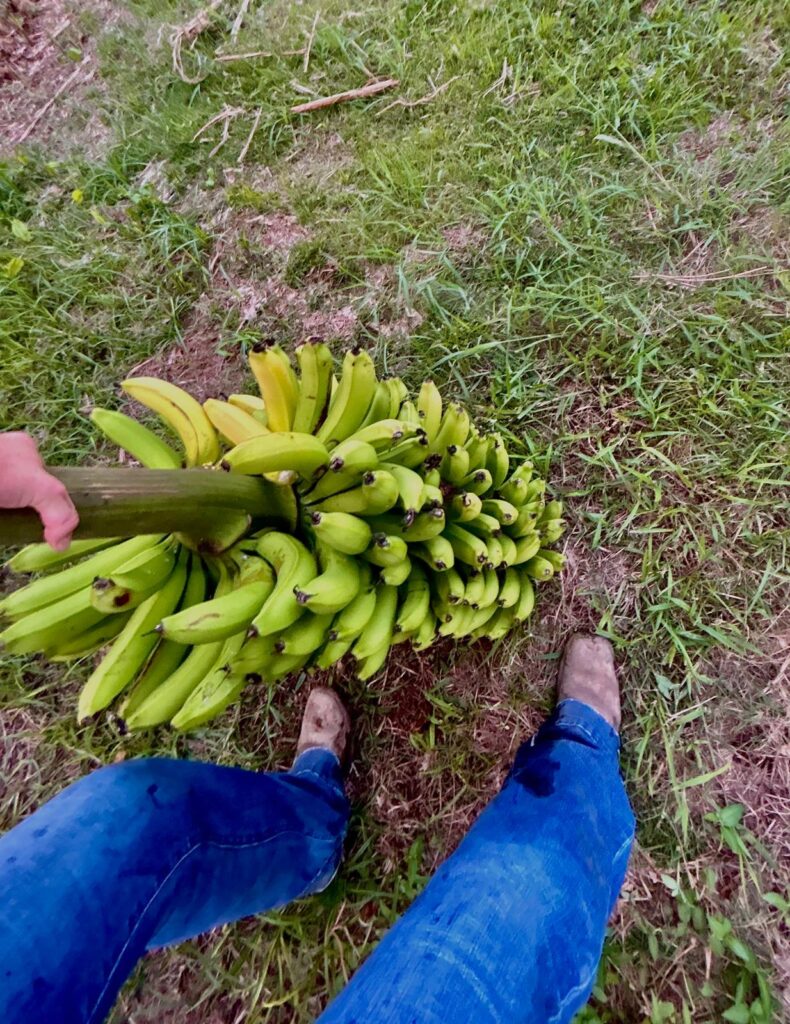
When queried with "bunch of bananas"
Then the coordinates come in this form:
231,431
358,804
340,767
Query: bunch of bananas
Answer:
412,525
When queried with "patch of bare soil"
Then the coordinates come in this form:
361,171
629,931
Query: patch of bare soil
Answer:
48,69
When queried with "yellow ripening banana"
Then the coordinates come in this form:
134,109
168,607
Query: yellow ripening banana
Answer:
385,434
429,409
43,558
381,626
335,587
277,382
140,442
348,407
234,424
275,452
48,589
254,405
294,566
315,375
133,645
342,531
398,393
181,412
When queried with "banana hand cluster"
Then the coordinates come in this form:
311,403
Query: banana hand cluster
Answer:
413,526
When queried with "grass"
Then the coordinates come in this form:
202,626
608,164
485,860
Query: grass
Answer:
583,235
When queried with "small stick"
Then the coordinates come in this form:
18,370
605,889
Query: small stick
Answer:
224,114
251,136
309,46
237,22
257,53
371,89
689,279
56,95
190,31
422,100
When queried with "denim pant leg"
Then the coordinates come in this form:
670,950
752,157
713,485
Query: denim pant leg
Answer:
510,928
147,853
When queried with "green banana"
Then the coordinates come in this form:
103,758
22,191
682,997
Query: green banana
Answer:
386,550
219,617
315,370
305,636
497,461
478,481
334,587
484,526
398,393
88,642
491,590
468,547
380,628
514,491
408,453
43,558
134,644
500,509
552,530
539,569
351,620
429,409
394,575
475,588
526,547
377,493
555,558
416,602
495,553
369,666
332,652
526,600
49,589
410,487
465,506
379,408
385,433
525,523
136,578
438,552
432,496
455,464
348,407
342,531
510,590
449,587
294,566
353,456
426,634
140,442
271,453
212,695
509,549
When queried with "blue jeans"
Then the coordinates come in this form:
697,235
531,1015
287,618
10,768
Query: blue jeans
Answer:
147,853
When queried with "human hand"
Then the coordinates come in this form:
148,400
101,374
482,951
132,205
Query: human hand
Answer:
25,482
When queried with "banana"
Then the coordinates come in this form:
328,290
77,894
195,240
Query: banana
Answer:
452,430
478,481
432,496
514,491
438,552
425,526
484,526
329,484
500,624
491,590
377,493
458,623
294,566
526,547
386,550
510,590
134,644
348,407
378,632
555,558
252,404
408,413
88,642
465,506
384,434
432,476
353,456
526,601
379,408
552,511
168,698
479,448
467,547
552,530
449,587
42,558
426,634
524,523
497,461
286,450
315,370
351,620
277,382
140,442
509,550
368,667
305,636
500,509
429,409
398,393
342,531
219,617
477,621
167,655
416,602
181,413
332,652
495,553
143,573
475,588
394,575
539,569
335,587
213,695
454,466
234,424
42,592
523,472
409,453
410,487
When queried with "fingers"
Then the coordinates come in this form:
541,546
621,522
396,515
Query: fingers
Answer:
57,513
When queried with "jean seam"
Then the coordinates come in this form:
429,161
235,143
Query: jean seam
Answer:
169,875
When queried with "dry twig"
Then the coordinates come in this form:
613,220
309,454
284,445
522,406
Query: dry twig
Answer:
689,280
75,76
239,20
371,89
189,32
309,46
437,89
223,57
251,136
